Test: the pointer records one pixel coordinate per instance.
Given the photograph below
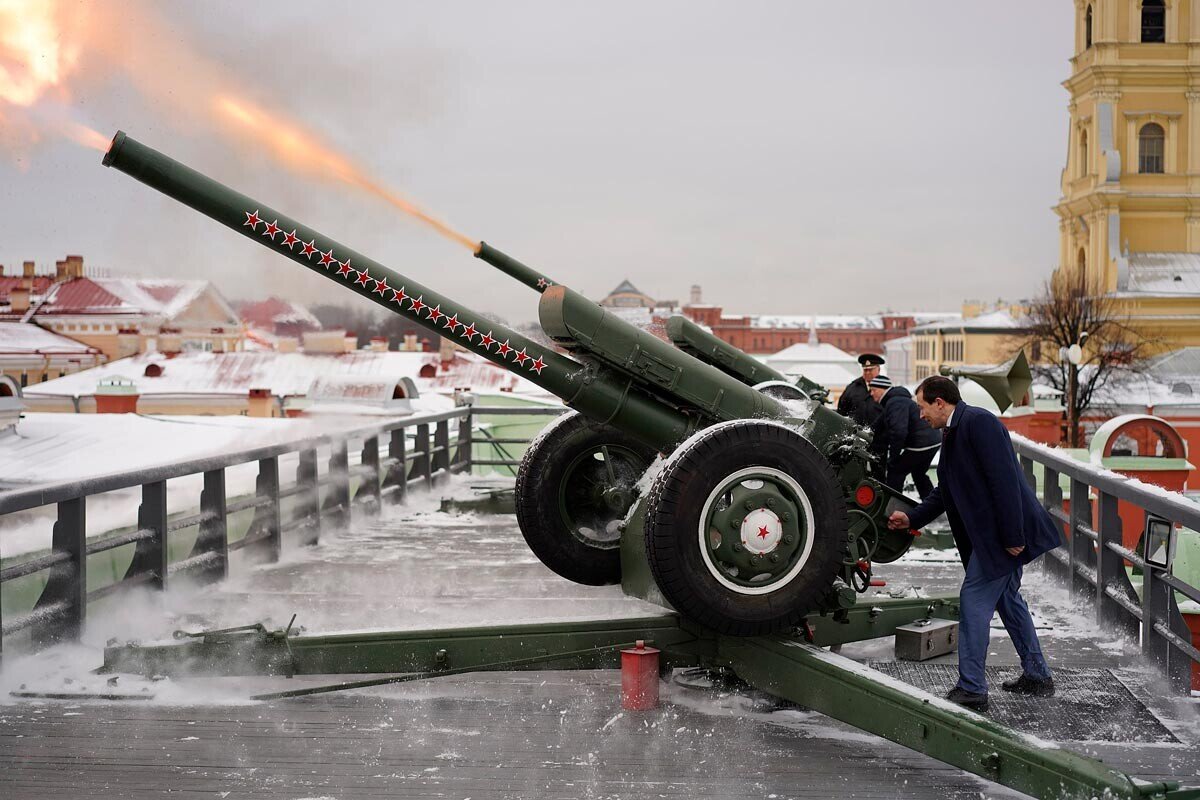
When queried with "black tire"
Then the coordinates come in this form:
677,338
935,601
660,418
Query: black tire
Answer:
696,474
581,544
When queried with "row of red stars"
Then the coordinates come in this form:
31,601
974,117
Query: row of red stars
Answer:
416,304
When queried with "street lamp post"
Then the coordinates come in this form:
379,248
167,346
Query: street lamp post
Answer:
1072,356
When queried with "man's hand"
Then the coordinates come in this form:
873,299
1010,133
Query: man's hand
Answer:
1015,551
898,521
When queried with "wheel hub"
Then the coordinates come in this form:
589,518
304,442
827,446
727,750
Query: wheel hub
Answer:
762,531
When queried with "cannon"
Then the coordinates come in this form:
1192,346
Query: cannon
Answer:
750,502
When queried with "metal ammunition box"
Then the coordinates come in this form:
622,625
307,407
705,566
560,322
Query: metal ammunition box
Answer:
926,638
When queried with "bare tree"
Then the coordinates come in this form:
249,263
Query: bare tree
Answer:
1081,342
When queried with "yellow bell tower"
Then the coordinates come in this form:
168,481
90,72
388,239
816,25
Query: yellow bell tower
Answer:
1129,215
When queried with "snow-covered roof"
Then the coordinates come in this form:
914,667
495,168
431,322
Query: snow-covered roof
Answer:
831,376
1183,363
812,353
25,337
1163,273
283,373
1000,320
159,297
841,321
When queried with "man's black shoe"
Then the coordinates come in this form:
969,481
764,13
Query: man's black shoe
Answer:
971,700
1034,687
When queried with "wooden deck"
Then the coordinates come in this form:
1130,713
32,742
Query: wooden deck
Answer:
502,735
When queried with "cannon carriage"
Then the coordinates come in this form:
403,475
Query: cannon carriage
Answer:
761,508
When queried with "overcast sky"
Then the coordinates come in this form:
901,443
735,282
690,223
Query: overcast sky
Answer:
791,157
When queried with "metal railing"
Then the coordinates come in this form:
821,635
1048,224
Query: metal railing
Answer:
1093,560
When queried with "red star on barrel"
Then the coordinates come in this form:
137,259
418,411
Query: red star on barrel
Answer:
452,323
538,365
327,259
252,219
763,532
487,341
543,283
362,278
469,332
309,249
290,239
416,305
271,229
503,349
521,357
343,269
435,313
381,286
398,295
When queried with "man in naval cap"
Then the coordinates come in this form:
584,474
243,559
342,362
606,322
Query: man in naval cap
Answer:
856,401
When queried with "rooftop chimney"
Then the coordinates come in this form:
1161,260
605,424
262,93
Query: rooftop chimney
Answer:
28,269
74,267
115,395
379,344
260,403
18,300
60,270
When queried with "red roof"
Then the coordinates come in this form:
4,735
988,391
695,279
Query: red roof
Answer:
163,293
9,282
82,296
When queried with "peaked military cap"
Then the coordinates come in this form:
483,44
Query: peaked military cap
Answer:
871,360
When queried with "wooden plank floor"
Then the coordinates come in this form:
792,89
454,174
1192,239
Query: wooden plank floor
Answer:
505,735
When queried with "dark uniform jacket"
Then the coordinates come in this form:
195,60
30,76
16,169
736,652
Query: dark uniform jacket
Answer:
856,402
986,498
901,428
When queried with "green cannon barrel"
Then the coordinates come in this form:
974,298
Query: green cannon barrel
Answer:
595,391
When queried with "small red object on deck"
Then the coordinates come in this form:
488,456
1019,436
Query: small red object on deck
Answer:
639,678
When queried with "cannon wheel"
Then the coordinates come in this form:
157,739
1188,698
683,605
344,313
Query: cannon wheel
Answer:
746,528
575,485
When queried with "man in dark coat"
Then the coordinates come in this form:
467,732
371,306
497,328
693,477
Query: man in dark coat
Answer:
907,442
856,401
999,526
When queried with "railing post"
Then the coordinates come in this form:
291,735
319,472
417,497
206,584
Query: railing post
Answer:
465,433
441,443
309,498
68,581
1027,469
338,501
1052,499
1082,553
214,526
372,480
150,555
1110,571
398,471
268,516
422,463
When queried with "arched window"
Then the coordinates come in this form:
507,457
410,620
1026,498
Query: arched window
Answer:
1150,149
1083,153
1154,21
1082,261
1087,28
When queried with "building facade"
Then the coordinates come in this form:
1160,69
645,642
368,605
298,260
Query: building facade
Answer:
1129,215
